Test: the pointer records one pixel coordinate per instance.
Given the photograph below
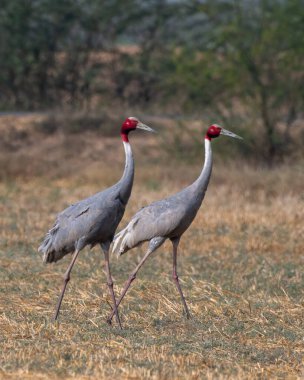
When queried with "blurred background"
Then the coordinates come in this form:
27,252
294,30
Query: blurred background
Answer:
78,66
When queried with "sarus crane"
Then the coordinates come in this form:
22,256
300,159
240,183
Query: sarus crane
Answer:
167,219
93,220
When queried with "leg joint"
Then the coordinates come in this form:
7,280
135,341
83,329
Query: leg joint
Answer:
66,277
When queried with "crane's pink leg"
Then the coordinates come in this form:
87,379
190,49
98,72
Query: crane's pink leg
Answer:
128,284
110,282
66,279
175,243
153,245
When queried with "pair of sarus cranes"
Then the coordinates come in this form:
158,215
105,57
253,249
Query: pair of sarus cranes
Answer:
94,220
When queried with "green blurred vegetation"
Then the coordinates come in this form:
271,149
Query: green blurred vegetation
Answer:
238,62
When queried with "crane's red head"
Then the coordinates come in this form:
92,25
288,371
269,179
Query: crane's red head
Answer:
130,124
215,130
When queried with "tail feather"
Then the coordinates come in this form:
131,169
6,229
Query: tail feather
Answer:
117,239
47,248
122,240
50,255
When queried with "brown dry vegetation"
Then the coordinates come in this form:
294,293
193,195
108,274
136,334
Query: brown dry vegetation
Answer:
241,265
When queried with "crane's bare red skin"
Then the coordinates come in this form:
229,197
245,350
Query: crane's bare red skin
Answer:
213,132
127,126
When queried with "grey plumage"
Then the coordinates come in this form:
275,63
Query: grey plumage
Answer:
167,219
93,220
88,222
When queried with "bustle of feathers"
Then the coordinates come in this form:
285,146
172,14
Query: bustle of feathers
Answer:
47,249
124,239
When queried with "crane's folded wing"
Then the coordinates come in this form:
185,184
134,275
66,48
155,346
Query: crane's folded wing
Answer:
157,219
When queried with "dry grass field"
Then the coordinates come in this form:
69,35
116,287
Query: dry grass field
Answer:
241,265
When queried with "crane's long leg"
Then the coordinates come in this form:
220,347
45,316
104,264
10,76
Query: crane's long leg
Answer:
175,243
153,245
110,281
66,279
128,283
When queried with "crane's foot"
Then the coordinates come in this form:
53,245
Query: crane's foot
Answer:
56,315
188,315
119,323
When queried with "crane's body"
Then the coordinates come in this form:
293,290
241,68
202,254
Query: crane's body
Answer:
93,220
168,218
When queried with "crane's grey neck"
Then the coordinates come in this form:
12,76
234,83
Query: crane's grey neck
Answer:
126,181
200,185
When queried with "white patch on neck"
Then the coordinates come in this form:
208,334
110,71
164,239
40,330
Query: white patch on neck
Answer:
207,148
128,149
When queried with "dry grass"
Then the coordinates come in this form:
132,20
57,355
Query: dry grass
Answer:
241,267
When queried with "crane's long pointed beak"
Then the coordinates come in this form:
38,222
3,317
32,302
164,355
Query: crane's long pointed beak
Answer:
230,134
143,126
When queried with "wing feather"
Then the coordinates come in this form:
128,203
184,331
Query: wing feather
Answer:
157,219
